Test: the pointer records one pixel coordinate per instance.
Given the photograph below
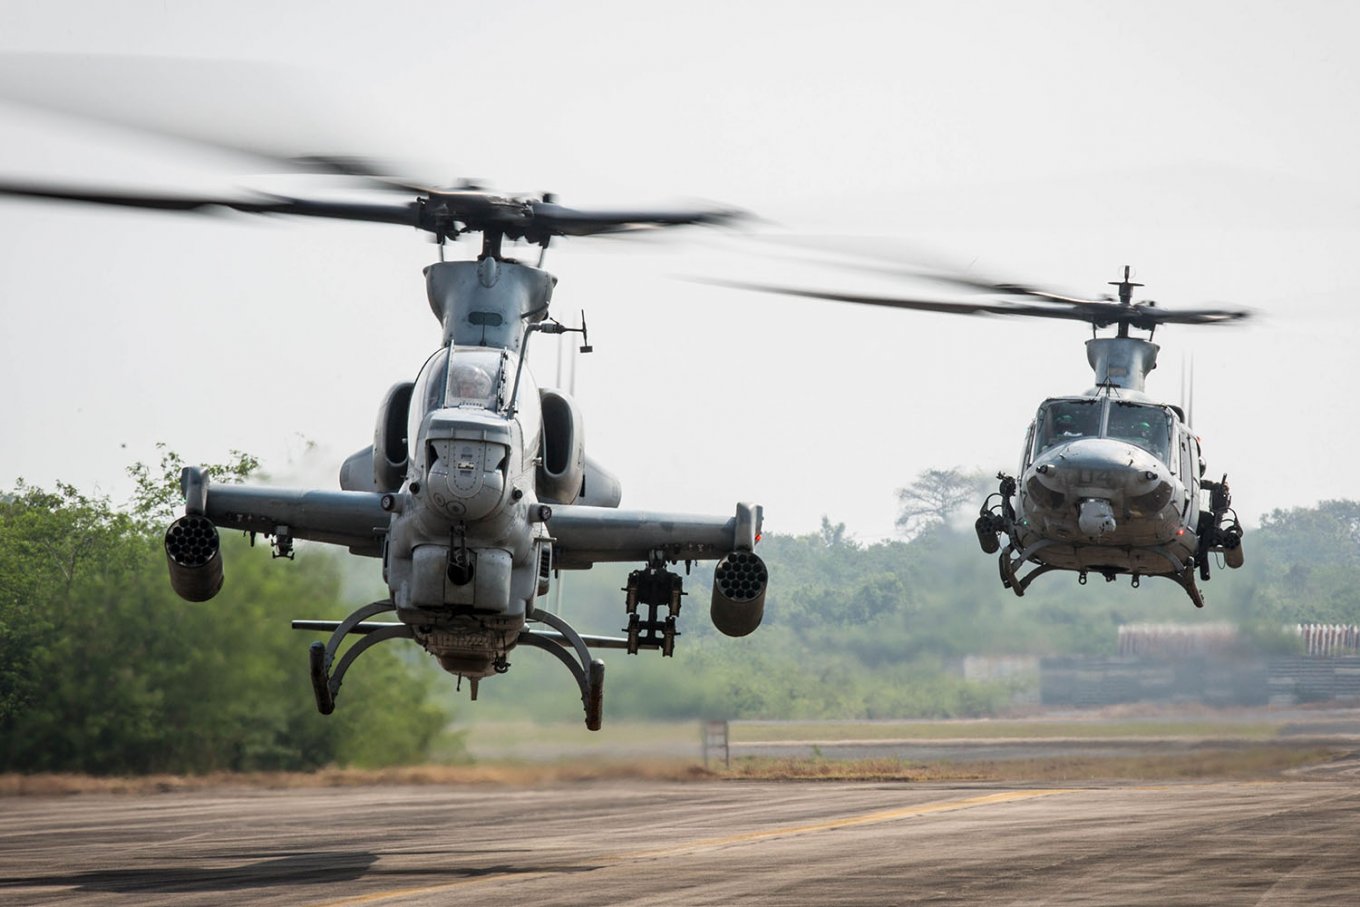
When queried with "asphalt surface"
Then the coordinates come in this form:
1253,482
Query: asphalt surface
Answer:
1292,841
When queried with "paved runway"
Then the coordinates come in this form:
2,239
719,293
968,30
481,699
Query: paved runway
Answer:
1293,841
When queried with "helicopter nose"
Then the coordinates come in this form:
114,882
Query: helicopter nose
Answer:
1096,478
1103,463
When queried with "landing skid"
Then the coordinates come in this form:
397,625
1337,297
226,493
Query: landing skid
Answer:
1186,580
1008,565
1008,571
589,672
325,681
563,642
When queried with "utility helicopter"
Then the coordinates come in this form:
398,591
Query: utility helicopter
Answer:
476,490
1111,481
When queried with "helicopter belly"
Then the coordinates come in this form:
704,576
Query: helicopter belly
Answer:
1145,561
466,607
471,648
436,579
1148,557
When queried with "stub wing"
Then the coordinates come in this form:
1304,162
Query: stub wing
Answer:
584,536
354,519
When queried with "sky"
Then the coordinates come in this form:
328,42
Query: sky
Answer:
1209,145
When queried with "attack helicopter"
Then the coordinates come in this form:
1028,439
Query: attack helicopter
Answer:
476,491
1111,481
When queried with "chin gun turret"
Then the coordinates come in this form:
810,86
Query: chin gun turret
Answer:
739,593
194,554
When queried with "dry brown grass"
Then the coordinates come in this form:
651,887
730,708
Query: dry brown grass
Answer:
508,774
1231,763
1234,763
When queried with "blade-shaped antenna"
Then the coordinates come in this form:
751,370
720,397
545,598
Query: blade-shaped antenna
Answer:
1190,405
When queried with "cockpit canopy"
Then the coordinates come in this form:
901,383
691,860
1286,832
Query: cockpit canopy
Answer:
1147,425
459,378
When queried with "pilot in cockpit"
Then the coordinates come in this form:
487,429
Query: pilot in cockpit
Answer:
469,382
1069,423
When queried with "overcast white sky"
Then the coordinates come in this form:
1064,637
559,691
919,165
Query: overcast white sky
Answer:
1213,146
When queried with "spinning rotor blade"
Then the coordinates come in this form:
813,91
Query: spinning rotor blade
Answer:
882,262
392,214
897,302
445,214
175,98
564,221
1100,314
364,171
220,105
1010,289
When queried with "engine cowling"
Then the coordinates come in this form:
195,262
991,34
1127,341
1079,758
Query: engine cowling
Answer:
390,448
599,486
739,583
193,551
382,465
562,466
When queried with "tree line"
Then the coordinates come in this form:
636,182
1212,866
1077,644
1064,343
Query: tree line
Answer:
103,669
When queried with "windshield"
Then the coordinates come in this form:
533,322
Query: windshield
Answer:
427,394
461,378
1147,426
1061,421
473,378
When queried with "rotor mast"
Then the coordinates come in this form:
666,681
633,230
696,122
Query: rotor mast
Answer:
1125,297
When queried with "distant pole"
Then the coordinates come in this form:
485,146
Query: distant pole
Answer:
715,738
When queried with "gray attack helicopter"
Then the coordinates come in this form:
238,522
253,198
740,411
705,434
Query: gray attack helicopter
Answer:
1111,481
476,490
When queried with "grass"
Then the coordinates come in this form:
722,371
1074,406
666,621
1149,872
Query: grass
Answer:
520,754
1231,763
1249,761
525,739
781,731
502,774
492,735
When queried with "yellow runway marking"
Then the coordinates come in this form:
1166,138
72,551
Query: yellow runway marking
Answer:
871,818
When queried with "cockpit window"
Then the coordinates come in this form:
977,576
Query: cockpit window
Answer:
1147,426
428,393
1066,420
473,377
461,378
429,389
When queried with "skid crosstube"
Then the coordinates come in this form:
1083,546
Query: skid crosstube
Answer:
562,641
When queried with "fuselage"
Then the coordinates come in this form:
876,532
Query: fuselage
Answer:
1109,482
464,550
467,551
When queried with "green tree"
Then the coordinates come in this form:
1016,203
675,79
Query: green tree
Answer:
104,670
157,497
934,497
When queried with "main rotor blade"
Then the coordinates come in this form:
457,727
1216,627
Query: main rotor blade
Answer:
956,307
893,265
1101,314
408,214
1009,289
263,111
564,221
445,214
